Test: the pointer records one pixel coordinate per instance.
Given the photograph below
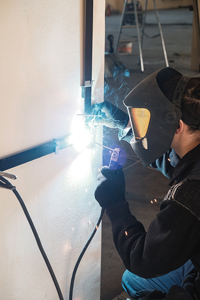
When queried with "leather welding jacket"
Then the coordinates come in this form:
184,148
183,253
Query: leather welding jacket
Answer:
173,237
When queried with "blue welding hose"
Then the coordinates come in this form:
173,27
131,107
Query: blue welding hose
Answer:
82,253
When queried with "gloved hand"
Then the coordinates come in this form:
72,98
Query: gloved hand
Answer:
108,115
111,187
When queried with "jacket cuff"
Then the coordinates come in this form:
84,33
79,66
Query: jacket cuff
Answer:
118,210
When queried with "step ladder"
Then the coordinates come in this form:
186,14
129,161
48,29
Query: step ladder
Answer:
140,32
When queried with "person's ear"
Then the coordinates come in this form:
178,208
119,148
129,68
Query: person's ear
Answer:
180,127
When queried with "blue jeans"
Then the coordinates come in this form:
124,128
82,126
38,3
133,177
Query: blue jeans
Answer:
137,287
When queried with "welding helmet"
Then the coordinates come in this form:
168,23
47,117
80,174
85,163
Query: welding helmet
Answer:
154,118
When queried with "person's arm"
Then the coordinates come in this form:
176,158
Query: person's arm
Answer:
166,245
169,241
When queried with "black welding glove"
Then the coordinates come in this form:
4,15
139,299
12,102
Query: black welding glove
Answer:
108,115
111,187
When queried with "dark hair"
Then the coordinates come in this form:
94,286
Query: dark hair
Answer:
191,96
191,100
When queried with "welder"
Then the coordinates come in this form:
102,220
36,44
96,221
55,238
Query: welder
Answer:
163,129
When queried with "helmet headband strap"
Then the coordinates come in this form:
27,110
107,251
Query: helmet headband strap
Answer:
180,88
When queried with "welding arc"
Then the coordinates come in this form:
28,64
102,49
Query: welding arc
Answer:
36,238
82,253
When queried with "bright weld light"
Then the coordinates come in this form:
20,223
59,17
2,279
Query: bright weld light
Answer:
81,137
81,167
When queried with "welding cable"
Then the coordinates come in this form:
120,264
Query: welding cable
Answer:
8,185
82,253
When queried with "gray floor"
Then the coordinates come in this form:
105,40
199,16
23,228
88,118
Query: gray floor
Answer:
142,185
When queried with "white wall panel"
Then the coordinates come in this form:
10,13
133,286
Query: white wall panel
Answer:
40,66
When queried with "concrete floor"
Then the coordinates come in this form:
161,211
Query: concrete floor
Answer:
142,185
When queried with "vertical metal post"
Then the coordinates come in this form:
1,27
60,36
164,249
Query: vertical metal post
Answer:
139,38
144,21
161,34
195,51
88,54
120,26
